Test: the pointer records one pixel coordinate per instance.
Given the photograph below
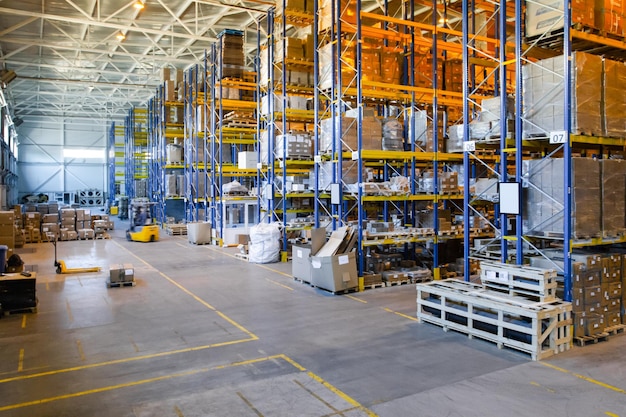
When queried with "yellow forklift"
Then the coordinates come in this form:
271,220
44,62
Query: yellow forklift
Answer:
141,227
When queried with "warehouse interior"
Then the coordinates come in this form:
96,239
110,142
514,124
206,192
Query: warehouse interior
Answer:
312,208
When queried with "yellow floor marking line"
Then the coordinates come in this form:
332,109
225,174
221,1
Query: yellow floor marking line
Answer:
355,299
47,284
538,385
278,283
24,321
69,310
340,412
399,314
125,360
249,404
274,270
317,397
328,386
585,378
81,352
283,357
608,413
198,299
178,412
20,361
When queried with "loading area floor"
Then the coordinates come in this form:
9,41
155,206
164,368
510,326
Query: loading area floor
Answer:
206,334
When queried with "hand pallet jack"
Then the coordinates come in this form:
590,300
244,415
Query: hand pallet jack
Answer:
62,269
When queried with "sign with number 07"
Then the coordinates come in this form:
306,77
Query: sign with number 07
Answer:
558,136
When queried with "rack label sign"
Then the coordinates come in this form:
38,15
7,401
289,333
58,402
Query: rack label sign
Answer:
469,146
558,136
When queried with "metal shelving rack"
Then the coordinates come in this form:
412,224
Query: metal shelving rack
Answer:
115,161
136,149
274,122
564,39
195,136
355,93
212,143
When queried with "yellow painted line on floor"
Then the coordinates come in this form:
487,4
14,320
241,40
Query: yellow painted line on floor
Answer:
198,299
328,386
178,412
608,413
69,310
279,284
314,395
249,404
125,360
355,299
585,378
399,314
538,385
20,361
209,306
47,284
274,270
283,357
24,321
81,352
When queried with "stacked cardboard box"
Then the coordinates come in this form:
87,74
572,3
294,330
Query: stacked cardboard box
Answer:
613,198
587,296
68,219
325,18
7,229
294,145
611,288
547,15
543,95
544,200
613,99
231,61
609,16
83,219
371,134
378,64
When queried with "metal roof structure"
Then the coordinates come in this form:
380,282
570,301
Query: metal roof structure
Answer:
96,58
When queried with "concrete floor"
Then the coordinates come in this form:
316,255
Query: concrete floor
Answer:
206,334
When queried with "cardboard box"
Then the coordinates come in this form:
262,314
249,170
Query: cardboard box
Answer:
588,324
246,160
334,273
121,273
7,217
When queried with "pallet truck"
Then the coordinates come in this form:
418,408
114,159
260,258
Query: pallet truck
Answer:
62,268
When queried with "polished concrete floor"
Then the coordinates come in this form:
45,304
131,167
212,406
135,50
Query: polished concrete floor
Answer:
206,334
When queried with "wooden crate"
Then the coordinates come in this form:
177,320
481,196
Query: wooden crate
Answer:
541,329
538,284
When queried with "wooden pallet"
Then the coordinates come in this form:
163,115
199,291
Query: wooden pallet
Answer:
586,340
373,285
31,310
102,236
242,256
615,330
397,282
539,329
176,229
301,281
121,284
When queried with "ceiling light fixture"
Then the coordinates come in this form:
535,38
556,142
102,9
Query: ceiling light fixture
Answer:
120,36
138,5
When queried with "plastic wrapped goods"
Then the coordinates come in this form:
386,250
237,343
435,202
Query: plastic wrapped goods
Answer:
264,246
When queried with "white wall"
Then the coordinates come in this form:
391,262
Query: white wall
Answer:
41,166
